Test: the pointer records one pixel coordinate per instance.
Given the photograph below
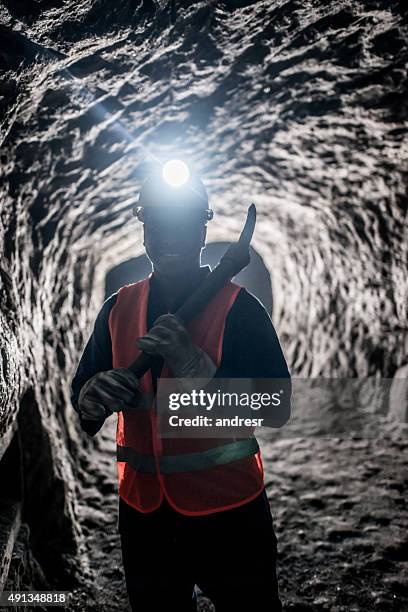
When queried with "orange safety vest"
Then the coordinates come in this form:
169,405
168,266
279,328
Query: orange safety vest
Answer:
196,476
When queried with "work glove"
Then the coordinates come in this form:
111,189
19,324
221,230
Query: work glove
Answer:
169,338
108,392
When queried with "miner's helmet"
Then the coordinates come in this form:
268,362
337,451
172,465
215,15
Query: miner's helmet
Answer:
173,190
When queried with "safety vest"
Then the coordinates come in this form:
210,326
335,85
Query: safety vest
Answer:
196,476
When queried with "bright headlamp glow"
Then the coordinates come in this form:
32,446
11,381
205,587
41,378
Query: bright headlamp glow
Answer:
176,172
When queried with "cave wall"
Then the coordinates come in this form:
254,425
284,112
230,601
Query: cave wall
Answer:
300,107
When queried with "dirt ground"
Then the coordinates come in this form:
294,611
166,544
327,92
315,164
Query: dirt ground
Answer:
339,507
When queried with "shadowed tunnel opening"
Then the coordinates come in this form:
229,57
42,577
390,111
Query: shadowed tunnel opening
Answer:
299,107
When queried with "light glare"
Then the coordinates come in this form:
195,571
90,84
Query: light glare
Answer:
176,172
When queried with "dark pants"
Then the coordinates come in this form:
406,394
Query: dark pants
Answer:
229,555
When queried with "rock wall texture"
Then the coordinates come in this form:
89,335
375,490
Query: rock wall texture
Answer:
300,107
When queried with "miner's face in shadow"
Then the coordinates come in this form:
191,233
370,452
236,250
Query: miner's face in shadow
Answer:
174,239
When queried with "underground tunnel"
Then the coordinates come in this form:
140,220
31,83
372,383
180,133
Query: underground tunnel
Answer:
297,107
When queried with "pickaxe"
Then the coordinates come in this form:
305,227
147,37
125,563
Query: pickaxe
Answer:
233,261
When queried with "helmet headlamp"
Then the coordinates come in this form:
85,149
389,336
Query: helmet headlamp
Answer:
173,192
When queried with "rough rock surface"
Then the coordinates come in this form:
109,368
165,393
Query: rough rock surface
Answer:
300,107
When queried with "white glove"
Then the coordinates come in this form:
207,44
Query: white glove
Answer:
169,338
108,392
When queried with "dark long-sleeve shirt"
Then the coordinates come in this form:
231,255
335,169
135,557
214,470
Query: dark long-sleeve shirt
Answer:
250,349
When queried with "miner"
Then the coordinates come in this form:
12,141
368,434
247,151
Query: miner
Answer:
192,512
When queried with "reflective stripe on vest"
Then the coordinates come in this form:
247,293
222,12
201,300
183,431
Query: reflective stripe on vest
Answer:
189,462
